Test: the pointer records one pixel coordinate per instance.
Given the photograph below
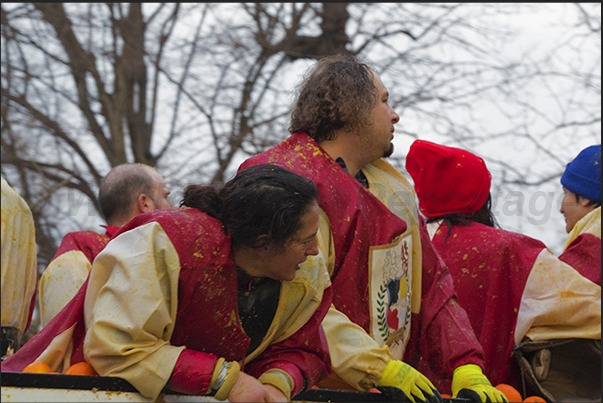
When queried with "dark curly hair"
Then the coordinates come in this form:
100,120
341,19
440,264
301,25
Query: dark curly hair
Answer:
260,200
338,92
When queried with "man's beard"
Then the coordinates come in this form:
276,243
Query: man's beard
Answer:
389,151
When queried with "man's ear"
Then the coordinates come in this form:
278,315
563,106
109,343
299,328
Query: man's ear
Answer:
583,201
144,203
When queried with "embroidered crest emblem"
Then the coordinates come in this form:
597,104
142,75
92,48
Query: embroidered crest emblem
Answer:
391,278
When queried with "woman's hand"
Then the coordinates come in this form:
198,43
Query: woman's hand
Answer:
249,389
276,395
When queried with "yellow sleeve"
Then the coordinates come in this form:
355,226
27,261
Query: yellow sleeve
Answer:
19,259
60,281
558,302
356,357
130,309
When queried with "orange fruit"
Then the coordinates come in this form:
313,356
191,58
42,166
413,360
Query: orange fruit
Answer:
534,399
38,367
510,392
81,368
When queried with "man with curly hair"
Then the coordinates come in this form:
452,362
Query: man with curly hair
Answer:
393,299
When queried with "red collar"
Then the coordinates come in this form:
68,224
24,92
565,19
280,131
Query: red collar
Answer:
110,230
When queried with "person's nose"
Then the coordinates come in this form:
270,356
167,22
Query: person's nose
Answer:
312,248
395,117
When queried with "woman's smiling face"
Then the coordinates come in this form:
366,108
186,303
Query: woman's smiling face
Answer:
282,263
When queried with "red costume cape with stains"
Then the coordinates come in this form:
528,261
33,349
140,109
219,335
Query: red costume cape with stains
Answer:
583,246
490,268
68,269
206,261
90,243
584,255
360,221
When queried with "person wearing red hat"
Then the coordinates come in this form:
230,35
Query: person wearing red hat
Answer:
581,207
512,287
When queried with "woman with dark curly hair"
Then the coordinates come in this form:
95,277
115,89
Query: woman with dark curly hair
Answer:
185,298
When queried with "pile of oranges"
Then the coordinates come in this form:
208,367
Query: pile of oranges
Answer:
81,368
40,367
513,394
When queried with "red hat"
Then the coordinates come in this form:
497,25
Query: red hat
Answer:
447,180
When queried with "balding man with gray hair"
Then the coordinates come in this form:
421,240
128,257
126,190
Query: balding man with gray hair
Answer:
126,191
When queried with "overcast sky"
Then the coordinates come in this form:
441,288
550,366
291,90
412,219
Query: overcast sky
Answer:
534,212
539,217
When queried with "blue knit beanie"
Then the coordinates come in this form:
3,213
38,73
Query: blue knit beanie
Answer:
583,175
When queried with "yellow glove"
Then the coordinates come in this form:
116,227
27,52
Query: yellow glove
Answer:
400,380
469,381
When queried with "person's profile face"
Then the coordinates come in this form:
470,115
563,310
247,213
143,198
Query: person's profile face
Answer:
380,131
161,192
283,263
573,208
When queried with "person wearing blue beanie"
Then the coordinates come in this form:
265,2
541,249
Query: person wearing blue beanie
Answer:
582,186
581,207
